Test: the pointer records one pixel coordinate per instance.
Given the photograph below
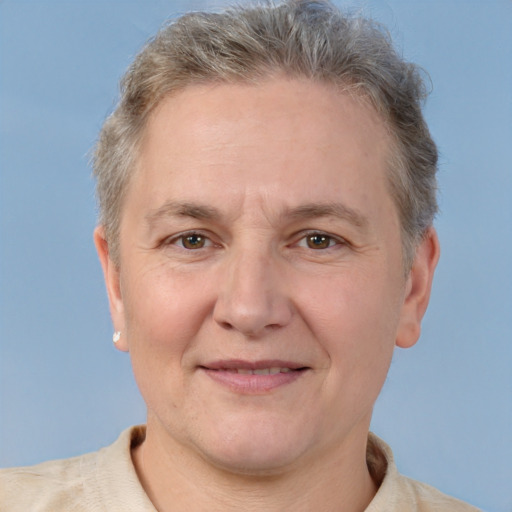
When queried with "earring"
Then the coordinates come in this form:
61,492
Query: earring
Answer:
116,337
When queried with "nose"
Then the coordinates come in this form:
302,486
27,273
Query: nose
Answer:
252,298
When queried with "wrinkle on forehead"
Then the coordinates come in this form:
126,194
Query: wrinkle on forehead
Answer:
301,212
280,149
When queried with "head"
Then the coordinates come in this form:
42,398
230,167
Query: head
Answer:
308,39
259,188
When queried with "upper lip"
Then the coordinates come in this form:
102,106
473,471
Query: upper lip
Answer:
231,364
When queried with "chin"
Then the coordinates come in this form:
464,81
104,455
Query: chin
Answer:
261,449
261,461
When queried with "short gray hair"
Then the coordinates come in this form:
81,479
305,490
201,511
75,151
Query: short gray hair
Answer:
298,38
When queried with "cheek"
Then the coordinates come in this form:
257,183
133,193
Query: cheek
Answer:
355,319
163,314
161,303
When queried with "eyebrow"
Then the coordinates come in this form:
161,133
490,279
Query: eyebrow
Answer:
337,210
303,212
182,209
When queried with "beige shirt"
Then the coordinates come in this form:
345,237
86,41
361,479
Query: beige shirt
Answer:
106,481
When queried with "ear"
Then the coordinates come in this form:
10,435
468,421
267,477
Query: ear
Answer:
112,281
417,290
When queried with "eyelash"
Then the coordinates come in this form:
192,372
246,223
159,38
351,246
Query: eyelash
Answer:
332,241
182,237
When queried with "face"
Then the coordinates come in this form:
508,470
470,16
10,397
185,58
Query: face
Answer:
261,289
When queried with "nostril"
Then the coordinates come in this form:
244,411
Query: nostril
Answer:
226,325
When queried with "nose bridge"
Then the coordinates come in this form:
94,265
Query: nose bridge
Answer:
251,297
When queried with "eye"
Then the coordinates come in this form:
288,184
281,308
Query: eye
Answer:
191,241
318,241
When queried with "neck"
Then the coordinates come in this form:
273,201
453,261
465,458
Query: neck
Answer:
177,479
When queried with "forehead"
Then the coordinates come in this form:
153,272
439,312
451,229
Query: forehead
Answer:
294,138
316,109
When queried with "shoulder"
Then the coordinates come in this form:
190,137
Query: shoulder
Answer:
428,499
398,493
102,480
55,485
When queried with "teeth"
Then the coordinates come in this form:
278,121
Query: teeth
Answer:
262,371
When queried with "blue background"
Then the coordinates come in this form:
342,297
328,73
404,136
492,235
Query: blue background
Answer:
446,408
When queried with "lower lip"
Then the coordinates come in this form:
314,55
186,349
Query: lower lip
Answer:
251,383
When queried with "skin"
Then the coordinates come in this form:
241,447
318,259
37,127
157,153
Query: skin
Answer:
259,227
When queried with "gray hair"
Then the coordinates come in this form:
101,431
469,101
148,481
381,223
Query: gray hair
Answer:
298,38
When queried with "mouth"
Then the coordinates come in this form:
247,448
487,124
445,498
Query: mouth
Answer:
262,371
254,377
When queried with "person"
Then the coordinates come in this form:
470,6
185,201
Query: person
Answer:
267,191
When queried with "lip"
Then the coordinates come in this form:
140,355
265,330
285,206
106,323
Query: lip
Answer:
224,372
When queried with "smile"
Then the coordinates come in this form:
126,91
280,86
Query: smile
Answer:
262,371
253,378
